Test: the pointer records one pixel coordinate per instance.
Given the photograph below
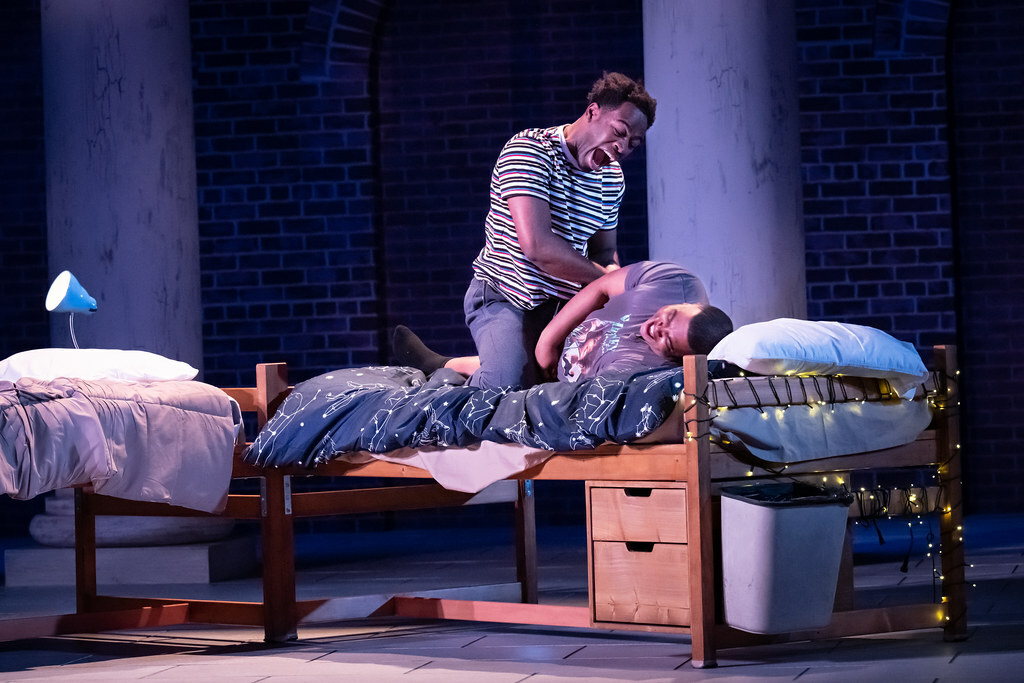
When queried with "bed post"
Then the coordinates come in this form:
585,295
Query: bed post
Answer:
954,588
271,385
697,417
277,535
526,541
85,553
277,529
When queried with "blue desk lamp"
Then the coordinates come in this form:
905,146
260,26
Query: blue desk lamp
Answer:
67,295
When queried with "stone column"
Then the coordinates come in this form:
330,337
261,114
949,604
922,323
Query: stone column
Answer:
723,157
120,171
121,199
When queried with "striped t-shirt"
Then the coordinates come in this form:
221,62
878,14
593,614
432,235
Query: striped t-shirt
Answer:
537,163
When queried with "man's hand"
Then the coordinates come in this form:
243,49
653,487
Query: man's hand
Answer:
601,247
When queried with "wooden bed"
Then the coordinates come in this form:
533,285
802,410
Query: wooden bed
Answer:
680,481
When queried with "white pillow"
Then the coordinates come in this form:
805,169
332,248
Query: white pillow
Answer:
787,346
138,366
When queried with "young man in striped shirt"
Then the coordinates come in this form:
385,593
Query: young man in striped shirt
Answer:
551,228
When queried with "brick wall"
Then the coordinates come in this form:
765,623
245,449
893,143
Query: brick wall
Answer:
988,77
23,274
875,166
286,185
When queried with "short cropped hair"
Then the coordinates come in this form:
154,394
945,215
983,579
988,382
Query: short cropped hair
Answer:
614,89
707,328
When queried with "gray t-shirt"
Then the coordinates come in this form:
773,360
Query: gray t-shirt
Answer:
609,340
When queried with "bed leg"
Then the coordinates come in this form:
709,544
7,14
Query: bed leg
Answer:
526,541
280,613
844,585
954,586
699,513
85,553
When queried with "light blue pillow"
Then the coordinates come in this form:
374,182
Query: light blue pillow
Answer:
787,346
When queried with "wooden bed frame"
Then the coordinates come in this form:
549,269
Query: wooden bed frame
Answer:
684,477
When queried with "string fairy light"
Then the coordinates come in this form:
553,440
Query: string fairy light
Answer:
774,396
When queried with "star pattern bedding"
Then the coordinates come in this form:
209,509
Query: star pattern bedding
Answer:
383,409
467,437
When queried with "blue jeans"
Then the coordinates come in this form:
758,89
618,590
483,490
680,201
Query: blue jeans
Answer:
505,336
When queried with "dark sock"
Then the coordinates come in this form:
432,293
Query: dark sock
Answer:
410,350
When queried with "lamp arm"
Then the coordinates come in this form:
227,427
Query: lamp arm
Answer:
71,325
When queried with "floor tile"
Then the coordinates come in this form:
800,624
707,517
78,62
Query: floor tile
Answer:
451,652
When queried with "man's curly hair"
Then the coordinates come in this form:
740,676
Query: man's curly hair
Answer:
613,89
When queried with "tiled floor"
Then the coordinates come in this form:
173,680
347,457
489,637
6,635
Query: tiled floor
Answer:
403,650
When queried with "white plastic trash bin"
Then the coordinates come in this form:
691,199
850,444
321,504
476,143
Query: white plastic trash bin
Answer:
781,549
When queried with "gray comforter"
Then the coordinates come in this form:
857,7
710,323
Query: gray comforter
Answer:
168,441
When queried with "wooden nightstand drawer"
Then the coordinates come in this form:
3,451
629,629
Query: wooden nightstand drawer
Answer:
641,583
638,513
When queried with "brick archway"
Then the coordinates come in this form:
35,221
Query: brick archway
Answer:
340,35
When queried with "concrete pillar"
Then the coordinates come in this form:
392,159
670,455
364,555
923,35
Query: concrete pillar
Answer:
120,172
723,157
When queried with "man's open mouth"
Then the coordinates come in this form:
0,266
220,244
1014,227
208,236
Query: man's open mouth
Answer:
601,158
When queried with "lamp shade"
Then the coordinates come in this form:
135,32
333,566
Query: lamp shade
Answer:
67,295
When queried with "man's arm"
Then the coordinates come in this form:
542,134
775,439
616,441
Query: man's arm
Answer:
548,251
586,301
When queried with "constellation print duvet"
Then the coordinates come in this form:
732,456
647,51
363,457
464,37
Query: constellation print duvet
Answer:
383,409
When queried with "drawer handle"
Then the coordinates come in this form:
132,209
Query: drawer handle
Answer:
639,546
637,493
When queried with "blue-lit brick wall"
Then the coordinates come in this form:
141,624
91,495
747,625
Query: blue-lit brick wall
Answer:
24,321
988,72
287,190
875,166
